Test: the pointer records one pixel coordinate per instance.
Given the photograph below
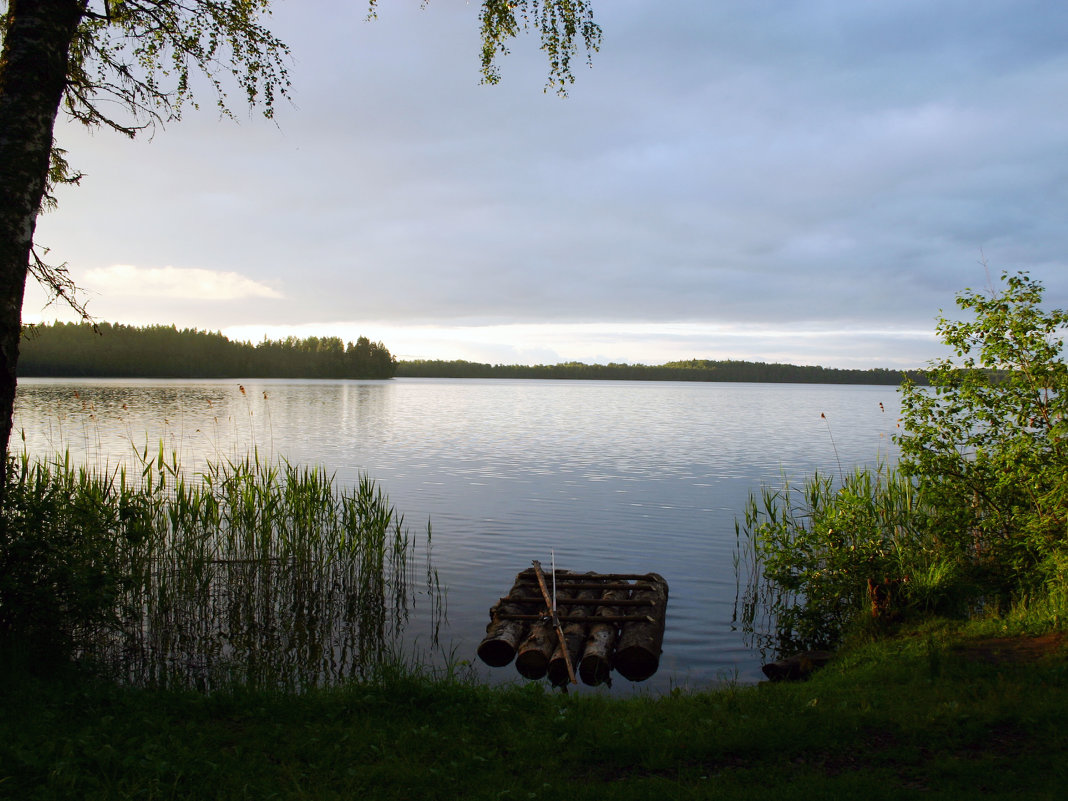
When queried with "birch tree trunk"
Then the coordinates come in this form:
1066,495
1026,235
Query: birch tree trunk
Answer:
33,75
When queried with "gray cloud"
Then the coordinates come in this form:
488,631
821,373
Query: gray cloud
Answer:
816,164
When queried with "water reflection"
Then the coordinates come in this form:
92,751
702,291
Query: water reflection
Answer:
623,477
255,573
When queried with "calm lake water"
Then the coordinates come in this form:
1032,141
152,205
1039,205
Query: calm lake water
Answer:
620,477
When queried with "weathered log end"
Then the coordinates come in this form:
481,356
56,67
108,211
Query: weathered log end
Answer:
558,673
532,661
595,667
574,638
638,661
532,665
798,666
498,648
641,642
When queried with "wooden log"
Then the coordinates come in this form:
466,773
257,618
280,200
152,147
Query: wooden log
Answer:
532,660
574,637
797,667
568,586
569,575
586,602
503,634
595,667
638,654
577,618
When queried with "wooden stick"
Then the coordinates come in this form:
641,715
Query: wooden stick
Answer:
556,620
575,619
575,636
593,585
569,575
567,600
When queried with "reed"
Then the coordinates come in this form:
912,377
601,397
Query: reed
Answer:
816,559
250,572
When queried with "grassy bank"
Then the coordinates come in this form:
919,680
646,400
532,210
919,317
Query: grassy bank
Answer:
936,712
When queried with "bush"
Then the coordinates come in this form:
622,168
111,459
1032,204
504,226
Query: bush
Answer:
823,554
986,444
976,517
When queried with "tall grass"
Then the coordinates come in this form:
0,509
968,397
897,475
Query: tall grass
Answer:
815,559
252,572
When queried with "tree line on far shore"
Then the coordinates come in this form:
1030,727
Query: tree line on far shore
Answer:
159,351
693,370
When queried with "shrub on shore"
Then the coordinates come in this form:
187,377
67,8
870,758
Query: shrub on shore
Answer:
974,519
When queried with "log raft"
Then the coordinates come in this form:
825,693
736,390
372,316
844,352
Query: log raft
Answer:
608,621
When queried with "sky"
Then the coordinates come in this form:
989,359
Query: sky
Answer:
802,181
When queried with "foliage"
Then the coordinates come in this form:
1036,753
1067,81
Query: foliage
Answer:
105,349
143,57
975,518
557,21
263,574
987,445
820,555
70,349
63,547
136,64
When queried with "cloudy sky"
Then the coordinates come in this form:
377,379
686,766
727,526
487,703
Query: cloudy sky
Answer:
808,181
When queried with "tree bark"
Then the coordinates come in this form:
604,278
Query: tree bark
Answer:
33,75
638,654
532,661
574,637
596,664
502,638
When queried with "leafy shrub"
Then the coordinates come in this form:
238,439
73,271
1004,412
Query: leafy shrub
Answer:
821,554
975,517
987,443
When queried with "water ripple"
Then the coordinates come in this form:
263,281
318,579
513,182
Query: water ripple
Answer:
610,476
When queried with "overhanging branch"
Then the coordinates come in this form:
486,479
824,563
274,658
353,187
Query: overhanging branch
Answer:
58,284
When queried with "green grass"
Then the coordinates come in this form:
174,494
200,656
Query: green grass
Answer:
910,717
258,573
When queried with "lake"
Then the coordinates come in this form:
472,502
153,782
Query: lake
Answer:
610,477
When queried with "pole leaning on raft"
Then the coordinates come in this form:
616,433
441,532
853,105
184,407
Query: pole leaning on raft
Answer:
555,620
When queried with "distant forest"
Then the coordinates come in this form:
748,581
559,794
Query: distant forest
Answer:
158,351
693,370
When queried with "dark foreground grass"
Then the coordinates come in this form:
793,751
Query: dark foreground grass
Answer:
915,717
